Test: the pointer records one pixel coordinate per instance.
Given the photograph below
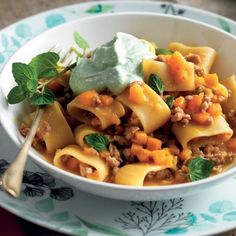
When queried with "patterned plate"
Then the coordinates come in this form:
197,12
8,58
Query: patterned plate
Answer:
51,203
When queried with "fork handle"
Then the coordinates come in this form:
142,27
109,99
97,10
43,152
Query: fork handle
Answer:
12,178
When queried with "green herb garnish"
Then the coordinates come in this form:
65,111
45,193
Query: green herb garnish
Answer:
31,82
199,168
163,51
156,83
97,141
169,101
81,43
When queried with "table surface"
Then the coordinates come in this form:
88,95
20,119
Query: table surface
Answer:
14,10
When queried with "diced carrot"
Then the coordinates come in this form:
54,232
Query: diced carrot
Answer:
214,98
135,148
180,102
194,104
153,143
144,155
199,81
211,80
231,144
140,137
215,110
162,157
185,154
201,118
177,65
136,94
87,98
106,100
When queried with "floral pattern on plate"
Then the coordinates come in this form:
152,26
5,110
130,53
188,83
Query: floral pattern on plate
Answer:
49,202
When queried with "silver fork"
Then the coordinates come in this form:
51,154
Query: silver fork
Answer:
11,180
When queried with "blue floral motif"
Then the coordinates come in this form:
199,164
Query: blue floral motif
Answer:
23,30
38,184
208,217
2,58
177,230
230,216
221,206
54,20
151,218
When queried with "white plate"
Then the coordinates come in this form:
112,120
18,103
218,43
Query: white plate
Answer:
53,204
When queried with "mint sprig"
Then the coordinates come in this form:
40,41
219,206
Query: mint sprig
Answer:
200,168
156,83
163,51
30,79
97,141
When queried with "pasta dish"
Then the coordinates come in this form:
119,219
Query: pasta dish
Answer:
133,113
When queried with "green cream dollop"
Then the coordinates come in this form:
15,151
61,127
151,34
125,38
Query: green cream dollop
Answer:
112,66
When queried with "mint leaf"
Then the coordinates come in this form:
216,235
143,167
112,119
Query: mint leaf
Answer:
200,168
80,41
23,72
156,83
97,141
16,95
42,98
32,85
169,101
163,51
45,64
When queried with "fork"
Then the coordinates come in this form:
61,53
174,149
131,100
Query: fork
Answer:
11,180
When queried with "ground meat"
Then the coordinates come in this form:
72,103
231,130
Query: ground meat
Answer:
178,115
197,152
164,174
231,118
217,155
199,89
120,140
43,129
194,58
112,157
96,122
24,129
199,71
114,152
128,156
206,103
85,169
134,120
129,132
182,175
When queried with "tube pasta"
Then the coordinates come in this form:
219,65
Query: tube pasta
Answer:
60,134
77,152
108,115
199,135
161,69
207,54
134,174
230,103
153,113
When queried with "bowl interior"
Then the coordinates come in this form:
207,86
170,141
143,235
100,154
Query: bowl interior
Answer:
161,29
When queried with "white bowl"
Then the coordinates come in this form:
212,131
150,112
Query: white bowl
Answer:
99,29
